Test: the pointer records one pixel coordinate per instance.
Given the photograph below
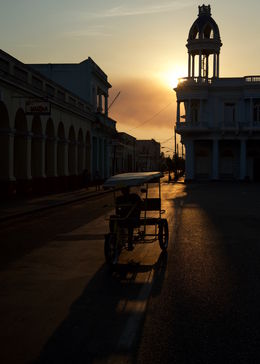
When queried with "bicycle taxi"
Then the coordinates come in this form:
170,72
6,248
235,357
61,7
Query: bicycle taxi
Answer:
136,220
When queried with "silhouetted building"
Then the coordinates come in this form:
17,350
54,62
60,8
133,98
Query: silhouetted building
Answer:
89,82
147,155
218,118
48,134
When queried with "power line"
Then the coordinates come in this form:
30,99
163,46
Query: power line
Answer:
114,100
152,117
166,140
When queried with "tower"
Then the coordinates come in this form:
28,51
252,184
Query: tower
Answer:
204,46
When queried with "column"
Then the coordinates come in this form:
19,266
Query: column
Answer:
10,157
106,105
251,112
189,65
193,65
188,119
42,162
189,159
207,66
101,157
200,64
214,66
28,172
218,65
76,166
66,158
178,112
242,159
94,96
200,112
83,151
100,109
215,160
55,164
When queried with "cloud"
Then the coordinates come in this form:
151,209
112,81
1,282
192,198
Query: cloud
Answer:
144,107
89,31
123,10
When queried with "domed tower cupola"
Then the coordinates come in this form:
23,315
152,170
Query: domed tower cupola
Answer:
204,46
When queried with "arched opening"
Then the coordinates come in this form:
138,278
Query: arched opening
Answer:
208,32
20,146
36,147
49,149
194,33
4,142
61,150
80,151
72,152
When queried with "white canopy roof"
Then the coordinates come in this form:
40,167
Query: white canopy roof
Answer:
131,179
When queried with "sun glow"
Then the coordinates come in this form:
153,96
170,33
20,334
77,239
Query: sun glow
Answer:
171,76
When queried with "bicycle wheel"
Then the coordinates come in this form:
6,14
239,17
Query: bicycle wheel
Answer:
111,249
163,234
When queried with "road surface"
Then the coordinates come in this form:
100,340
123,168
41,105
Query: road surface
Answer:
199,303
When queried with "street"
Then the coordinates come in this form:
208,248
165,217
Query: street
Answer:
199,303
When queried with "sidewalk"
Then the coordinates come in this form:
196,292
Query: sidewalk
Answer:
20,207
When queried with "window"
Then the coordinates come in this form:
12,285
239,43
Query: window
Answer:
230,113
194,111
256,111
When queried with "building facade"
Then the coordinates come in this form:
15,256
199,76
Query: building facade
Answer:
48,134
147,155
90,83
218,118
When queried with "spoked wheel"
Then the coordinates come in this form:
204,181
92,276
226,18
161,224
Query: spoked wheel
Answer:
111,249
163,234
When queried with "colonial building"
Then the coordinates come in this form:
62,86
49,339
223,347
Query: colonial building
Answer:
147,155
125,153
218,118
89,82
48,134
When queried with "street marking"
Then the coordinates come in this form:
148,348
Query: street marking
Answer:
129,334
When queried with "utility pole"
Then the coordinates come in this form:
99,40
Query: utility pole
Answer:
175,154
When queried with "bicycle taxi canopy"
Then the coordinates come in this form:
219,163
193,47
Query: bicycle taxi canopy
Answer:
132,179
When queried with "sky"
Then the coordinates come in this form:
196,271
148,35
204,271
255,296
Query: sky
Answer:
139,44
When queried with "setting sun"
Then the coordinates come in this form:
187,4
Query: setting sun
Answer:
171,76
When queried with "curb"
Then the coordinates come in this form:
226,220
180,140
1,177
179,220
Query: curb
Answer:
55,204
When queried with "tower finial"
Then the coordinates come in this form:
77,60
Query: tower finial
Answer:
204,10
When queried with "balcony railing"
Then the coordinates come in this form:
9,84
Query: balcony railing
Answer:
223,81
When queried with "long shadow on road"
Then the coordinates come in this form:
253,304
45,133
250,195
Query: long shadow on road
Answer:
93,328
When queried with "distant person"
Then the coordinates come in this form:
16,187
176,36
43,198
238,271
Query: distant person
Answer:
97,180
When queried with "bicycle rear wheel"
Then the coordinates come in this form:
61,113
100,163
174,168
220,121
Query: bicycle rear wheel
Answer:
163,234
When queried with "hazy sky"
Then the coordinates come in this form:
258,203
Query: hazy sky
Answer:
140,45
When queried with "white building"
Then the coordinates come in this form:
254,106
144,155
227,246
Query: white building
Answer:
48,151
89,82
218,118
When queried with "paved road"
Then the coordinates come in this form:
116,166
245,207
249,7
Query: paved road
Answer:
198,304
208,309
